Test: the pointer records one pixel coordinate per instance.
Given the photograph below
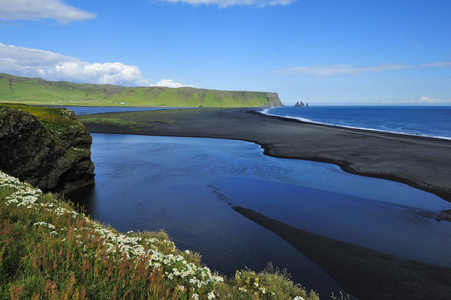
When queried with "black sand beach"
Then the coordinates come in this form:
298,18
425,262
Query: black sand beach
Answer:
423,163
362,272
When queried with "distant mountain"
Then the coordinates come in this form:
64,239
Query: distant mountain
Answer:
36,91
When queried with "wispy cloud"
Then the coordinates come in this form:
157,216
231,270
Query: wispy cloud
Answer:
41,9
422,100
53,66
338,70
226,3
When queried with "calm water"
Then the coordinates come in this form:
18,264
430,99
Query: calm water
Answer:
432,121
83,110
187,186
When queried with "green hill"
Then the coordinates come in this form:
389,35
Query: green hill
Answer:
36,91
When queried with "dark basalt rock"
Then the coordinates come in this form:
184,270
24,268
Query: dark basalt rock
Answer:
444,216
49,150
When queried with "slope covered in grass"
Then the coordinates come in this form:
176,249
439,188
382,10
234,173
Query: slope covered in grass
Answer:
37,91
48,250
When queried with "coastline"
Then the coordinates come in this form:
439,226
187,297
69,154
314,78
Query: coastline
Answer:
362,272
267,111
421,162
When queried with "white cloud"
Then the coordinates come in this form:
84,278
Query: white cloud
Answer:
226,3
337,70
41,9
29,61
422,100
53,66
170,83
106,73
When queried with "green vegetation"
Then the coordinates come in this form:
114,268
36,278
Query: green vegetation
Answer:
37,91
46,147
144,120
50,251
54,119
110,121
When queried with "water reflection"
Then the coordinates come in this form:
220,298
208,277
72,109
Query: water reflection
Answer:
186,186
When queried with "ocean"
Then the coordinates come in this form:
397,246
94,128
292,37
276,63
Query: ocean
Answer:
430,121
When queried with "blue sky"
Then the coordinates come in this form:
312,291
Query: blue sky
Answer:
316,51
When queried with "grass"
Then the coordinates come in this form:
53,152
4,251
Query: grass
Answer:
110,121
37,91
55,119
48,250
57,123
144,120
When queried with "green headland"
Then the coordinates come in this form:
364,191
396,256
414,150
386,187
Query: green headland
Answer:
36,91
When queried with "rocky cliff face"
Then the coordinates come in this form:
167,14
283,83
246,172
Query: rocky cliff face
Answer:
273,100
46,147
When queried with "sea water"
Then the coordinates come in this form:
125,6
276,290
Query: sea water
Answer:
432,121
84,110
189,186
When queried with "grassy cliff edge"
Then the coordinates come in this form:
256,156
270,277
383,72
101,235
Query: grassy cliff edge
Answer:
48,250
36,91
46,147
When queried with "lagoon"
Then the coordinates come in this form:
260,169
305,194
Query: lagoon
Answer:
188,186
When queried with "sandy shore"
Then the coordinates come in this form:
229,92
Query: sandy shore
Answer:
420,162
424,163
364,273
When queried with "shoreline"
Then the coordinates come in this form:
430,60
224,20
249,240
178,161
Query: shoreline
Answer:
360,271
357,128
346,165
421,162
363,272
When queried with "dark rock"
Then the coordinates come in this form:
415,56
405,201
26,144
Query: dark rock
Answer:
444,216
51,153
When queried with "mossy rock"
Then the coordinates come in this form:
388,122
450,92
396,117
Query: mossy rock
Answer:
46,147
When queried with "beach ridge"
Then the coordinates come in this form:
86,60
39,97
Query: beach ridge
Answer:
421,162
360,271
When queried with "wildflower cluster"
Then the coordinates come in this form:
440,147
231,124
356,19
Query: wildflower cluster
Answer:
74,257
249,282
191,278
24,195
174,266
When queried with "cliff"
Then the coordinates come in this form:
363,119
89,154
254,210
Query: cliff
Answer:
37,91
46,147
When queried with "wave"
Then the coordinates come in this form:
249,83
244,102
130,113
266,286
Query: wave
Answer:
266,111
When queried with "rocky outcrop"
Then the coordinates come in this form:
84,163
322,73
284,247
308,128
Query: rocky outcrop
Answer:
273,100
301,104
444,216
46,147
